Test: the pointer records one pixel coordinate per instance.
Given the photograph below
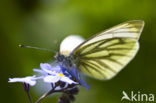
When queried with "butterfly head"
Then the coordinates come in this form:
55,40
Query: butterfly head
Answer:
59,57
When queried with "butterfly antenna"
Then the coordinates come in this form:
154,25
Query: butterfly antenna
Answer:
44,49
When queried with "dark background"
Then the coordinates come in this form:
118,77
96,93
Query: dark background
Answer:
43,22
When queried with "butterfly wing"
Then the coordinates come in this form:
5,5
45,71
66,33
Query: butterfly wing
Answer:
105,54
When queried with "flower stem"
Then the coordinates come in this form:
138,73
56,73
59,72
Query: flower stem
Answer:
45,95
50,92
29,97
26,89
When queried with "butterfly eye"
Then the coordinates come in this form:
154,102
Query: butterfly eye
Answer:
59,57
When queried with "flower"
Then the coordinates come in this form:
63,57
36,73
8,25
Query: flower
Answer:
31,80
61,80
54,74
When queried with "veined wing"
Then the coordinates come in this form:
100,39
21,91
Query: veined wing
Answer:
105,54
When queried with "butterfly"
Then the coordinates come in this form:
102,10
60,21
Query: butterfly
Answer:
103,55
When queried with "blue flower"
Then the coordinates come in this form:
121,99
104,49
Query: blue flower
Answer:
61,80
54,74
31,80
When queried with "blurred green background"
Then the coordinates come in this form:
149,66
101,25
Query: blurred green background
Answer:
43,22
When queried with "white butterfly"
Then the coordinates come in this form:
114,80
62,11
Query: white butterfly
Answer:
103,55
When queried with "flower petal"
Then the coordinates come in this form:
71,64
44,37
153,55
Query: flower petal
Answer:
65,72
31,80
56,68
51,79
74,73
40,71
84,84
46,67
67,80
